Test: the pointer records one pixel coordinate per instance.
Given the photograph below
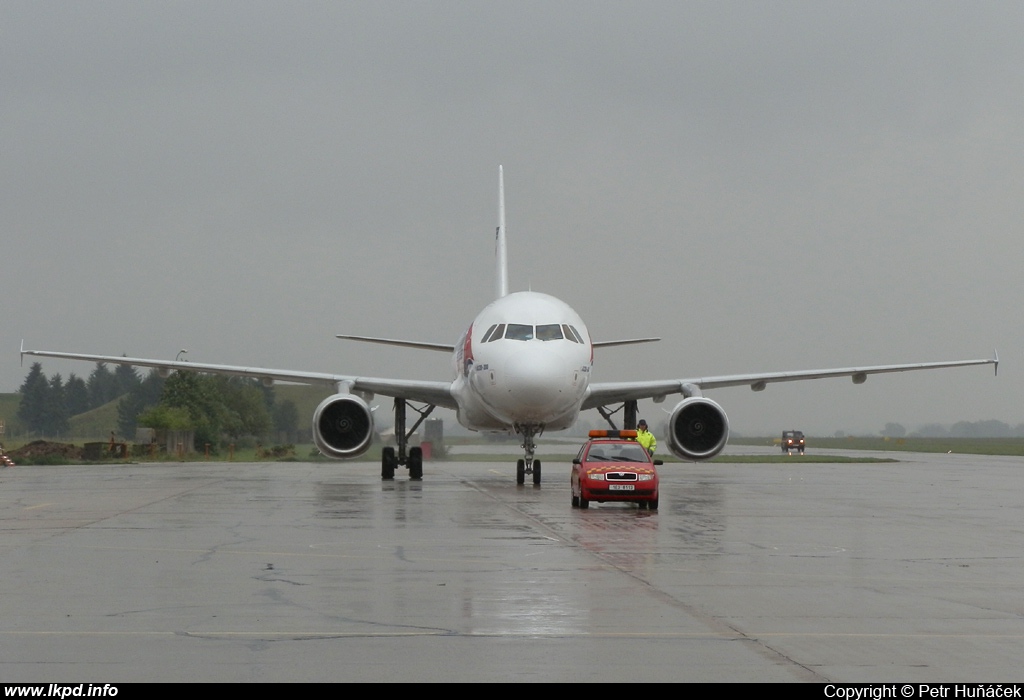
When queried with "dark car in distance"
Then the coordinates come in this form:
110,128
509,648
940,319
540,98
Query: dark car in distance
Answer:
792,440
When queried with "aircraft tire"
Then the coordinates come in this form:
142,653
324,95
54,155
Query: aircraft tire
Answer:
536,472
521,471
416,463
388,462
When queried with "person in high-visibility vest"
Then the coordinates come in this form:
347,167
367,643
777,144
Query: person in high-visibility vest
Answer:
645,437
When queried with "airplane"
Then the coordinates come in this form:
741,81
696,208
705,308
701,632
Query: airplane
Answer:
523,366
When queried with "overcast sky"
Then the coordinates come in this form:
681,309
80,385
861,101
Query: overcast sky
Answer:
765,185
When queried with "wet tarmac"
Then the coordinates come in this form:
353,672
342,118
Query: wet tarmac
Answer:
320,572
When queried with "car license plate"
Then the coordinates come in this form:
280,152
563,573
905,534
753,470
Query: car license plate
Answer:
620,487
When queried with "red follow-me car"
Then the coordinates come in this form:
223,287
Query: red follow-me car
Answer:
612,466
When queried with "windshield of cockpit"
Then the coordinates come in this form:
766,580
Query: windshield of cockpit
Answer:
522,331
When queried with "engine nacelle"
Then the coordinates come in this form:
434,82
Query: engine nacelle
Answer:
342,426
697,429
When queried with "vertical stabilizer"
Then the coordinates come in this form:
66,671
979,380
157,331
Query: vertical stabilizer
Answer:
501,257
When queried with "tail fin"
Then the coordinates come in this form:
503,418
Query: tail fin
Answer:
500,253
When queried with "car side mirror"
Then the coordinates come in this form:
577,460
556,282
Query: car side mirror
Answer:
576,460
658,462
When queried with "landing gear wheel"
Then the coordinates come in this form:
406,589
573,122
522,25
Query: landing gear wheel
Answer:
521,471
388,462
416,463
536,472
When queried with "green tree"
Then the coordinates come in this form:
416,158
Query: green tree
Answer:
166,418
76,395
216,406
102,386
245,406
34,397
143,395
125,379
286,419
195,394
894,430
56,421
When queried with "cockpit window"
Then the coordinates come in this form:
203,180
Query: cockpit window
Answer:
521,331
551,331
494,333
518,331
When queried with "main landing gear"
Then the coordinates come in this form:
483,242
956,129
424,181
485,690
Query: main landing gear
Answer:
529,465
389,459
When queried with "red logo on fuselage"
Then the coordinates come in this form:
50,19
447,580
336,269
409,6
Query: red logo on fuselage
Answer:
467,352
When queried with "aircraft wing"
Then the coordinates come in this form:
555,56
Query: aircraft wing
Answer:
437,347
615,343
434,393
601,393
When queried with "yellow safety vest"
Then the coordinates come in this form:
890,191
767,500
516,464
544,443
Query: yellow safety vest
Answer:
647,439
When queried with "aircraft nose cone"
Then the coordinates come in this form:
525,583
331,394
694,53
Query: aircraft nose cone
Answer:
537,383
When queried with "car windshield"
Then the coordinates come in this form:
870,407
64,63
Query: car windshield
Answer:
617,453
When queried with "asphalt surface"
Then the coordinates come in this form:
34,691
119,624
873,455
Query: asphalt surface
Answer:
320,572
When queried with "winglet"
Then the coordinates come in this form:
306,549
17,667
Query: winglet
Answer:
995,360
501,256
22,352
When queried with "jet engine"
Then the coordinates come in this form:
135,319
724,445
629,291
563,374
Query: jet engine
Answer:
697,429
342,426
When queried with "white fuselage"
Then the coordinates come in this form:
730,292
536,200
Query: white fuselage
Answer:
526,360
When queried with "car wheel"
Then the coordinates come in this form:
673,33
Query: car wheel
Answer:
521,471
584,503
653,504
575,501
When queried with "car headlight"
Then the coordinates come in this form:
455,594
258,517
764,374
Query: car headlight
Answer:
595,476
645,477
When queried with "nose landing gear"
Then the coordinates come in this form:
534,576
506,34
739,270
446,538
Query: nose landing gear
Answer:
528,465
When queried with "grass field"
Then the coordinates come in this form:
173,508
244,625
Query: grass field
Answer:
247,452
977,446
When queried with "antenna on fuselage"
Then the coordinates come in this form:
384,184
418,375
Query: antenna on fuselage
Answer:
500,254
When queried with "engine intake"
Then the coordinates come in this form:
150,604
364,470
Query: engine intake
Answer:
342,426
697,429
